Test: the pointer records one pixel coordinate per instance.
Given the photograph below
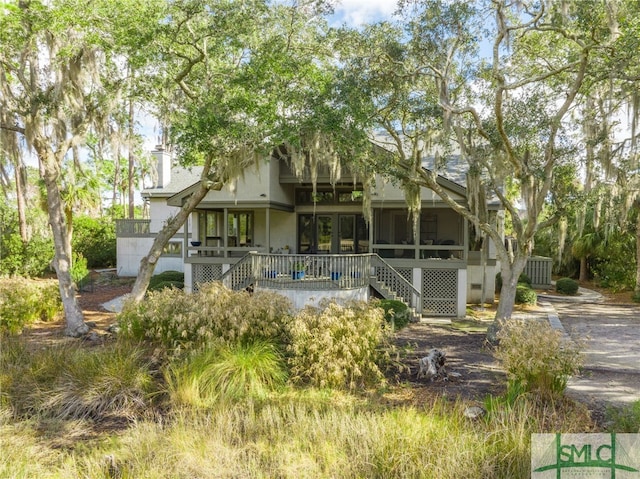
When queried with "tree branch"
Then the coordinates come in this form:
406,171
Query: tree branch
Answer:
15,128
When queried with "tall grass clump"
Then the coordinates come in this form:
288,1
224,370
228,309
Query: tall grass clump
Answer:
229,373
625,419
536,357
70,382
24,301
339,346
214,316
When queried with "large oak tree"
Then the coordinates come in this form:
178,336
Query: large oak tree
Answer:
491,82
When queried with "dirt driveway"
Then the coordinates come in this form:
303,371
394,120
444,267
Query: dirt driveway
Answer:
610,334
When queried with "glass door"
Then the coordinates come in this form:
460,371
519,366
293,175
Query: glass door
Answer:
353,234
332,234
324,234
316,234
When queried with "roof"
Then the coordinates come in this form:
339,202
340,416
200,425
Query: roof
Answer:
181,179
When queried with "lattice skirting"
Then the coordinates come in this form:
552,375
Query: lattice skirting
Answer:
205,273
406,273
439,292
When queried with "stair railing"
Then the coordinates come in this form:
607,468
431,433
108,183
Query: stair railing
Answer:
391,279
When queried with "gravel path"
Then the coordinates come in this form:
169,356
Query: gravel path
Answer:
610,334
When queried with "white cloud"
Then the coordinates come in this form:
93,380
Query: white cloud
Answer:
358,12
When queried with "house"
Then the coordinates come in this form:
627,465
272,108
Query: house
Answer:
274,232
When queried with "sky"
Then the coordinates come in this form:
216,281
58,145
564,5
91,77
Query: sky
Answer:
358,12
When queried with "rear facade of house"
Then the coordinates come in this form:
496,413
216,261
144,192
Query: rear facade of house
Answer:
272,230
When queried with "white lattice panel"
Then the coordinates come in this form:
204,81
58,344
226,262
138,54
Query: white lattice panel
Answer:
439,292
205,273
406,273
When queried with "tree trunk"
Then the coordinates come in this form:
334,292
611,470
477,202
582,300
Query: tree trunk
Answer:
510,273
584,269
131,163
62,260
21,200
148,262
116,182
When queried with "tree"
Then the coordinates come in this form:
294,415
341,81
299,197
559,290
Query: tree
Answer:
11,158
61,77
435,97
244,79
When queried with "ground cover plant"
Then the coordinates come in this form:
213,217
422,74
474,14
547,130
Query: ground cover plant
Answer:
238,405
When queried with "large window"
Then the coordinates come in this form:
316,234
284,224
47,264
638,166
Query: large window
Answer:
332,234
306,196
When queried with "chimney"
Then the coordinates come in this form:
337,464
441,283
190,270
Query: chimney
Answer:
163,166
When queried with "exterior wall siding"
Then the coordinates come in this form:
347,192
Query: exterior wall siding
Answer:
132,250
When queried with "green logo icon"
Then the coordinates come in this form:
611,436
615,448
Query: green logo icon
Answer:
614,456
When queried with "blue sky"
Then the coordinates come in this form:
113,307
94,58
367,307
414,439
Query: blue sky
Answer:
358,12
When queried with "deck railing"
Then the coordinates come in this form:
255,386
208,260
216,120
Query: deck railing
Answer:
320,273
394,282
310,272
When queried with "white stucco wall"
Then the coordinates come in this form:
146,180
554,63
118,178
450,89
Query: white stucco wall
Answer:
387,191
475,281
130,252
283,230
159,211
300,298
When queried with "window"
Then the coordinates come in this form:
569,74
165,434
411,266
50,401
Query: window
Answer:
306,196
240,229
173,248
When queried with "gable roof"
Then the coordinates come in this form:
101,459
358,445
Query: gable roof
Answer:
181,179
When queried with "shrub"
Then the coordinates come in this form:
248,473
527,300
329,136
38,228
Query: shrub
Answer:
166,279
335,346
536,357
525,295
95,239
522,279
32,259
159,318
23,301
611,266
166,284
396,312
214,316
79,269
567,286
229,373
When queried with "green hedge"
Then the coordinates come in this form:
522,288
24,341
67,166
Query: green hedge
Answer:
395,312
525,295
166,279
567,286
